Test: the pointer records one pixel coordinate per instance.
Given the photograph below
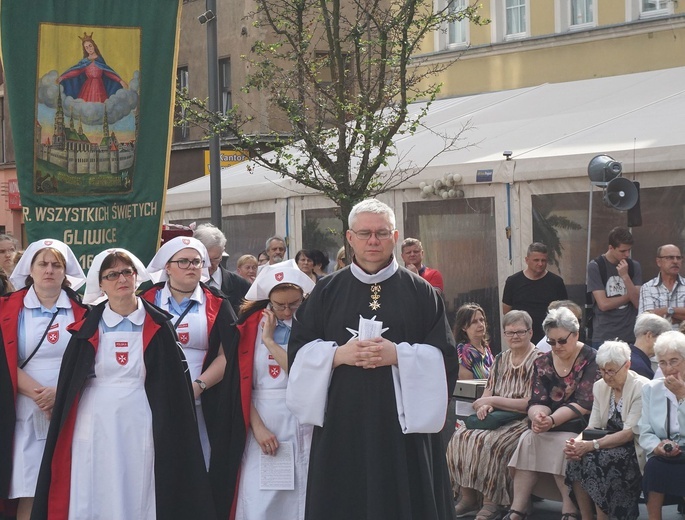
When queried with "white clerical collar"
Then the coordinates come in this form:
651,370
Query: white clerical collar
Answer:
379,277
112,319
31,301
198,294
216,278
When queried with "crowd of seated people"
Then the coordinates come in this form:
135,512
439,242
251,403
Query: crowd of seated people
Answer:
597,435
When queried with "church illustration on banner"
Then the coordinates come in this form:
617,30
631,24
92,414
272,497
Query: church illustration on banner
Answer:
77,149
71,150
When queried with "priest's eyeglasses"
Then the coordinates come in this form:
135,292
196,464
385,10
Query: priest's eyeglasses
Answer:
113,276
184,263
365,234
512,333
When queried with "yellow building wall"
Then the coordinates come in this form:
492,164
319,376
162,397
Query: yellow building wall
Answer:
480,34
609,13
541,17
555,63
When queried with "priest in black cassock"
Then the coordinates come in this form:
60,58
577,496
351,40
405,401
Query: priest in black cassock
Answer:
371,360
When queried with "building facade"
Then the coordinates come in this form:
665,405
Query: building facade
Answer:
10,204
553,82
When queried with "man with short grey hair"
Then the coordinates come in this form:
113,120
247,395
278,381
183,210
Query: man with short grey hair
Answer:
275,249
665,294
230,284
371,361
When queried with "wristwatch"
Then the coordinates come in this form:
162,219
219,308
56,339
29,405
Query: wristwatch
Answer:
201,384
595,444
670,311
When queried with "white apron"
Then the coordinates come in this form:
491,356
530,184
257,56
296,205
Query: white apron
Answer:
112,474
32,424
268,395
194,340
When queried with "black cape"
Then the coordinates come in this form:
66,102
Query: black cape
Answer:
181,484
361,465
221,404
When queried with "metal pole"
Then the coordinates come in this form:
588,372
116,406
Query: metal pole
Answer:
588,305
213,92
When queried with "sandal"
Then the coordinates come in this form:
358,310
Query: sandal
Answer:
461,509
568,516
489,511
521,516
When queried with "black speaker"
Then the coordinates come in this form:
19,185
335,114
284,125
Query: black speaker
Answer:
634,213
603,169
620,194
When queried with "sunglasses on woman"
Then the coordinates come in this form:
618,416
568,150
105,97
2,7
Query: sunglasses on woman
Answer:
553,342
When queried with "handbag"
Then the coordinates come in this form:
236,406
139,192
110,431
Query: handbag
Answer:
496,418
614,425
575,425
592,434
493,420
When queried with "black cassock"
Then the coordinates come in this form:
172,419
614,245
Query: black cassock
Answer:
362,466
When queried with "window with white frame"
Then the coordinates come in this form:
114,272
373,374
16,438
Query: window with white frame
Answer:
515,16
582,12
457,31
636,9
654,5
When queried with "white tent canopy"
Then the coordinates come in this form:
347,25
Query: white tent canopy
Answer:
552,129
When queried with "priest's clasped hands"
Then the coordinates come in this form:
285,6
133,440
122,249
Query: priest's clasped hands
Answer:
370,353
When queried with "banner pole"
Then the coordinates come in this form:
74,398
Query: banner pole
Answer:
213,91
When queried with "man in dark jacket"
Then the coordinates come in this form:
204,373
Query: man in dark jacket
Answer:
230,284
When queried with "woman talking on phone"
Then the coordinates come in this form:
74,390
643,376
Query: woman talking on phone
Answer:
264,325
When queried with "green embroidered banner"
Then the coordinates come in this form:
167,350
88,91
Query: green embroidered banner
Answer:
90,88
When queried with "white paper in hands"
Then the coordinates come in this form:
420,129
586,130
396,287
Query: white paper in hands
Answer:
369,329
278,471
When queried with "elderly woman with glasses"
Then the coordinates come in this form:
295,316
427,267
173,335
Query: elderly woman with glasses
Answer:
663,418
264,326
606,471
561,392
123,439
477,458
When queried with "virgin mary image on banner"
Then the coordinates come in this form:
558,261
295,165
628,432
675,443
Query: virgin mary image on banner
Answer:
91,79
86,122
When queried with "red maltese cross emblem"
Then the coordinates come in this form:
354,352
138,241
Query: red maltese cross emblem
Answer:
122,358
53,336
186,241
48,242
184,337
279,277
274,371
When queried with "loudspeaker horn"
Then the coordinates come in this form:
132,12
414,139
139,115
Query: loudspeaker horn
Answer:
620,194
603,169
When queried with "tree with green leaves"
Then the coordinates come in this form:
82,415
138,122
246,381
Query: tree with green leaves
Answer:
340,77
